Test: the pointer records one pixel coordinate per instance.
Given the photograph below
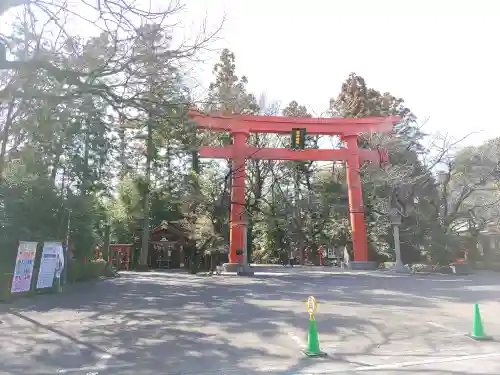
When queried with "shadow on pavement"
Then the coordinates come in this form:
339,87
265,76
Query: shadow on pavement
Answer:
170,323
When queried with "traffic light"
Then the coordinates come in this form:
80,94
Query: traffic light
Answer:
298,139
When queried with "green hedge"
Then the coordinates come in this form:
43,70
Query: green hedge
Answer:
79,271
5,284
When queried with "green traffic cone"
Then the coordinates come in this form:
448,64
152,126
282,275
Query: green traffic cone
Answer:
477,327
312,349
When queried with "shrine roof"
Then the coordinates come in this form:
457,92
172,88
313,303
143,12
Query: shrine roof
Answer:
172,228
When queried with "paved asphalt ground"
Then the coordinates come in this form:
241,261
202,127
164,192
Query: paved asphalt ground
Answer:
173,323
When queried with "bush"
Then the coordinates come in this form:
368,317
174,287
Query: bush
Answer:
5,283
79,271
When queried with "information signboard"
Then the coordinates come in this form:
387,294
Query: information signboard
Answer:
23,271
48,264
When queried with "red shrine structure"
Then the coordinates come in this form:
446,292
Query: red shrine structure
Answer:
347,128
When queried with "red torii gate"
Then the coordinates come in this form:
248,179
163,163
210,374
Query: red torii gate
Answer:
348,128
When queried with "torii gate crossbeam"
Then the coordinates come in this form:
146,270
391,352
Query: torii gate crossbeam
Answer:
348,129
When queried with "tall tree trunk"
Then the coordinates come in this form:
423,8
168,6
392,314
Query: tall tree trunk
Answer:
258,186
123,156
56,163
194,253
106,242
300,241
168,157
85,173
143,259
5,136
63,183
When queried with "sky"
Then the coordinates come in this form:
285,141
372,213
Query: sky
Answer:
440,55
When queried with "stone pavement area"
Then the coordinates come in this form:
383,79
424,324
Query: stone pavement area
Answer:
173,323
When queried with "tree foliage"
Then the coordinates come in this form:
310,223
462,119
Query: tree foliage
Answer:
94,131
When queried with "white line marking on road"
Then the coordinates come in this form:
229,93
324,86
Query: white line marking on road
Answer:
426,362
297,339
285,329
102,364
103,361
445,328
460,349
93,368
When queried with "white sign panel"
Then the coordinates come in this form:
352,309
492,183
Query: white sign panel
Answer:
23,271
48,264
60,260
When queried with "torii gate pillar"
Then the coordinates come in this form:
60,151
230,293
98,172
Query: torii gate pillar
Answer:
238,177
356,206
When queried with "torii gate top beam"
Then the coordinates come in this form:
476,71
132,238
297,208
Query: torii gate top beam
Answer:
284,125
